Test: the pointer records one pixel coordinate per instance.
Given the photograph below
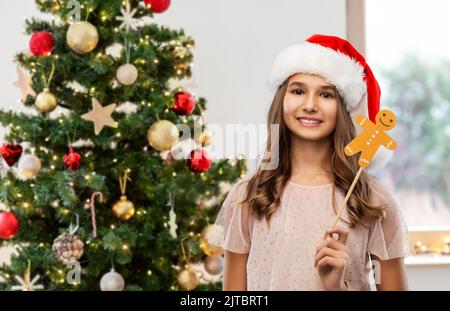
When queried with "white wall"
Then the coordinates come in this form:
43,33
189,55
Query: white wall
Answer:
12,22
236,42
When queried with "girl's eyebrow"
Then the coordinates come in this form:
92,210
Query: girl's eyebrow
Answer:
327,87
301,84
296,83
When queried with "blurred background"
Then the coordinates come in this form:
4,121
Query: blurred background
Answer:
404,43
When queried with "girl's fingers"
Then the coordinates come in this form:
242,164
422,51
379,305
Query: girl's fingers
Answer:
323,253
332,243
329,252
336,263
342,232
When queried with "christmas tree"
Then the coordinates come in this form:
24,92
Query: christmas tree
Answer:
98,188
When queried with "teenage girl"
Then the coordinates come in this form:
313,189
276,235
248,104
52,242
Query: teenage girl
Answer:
277,221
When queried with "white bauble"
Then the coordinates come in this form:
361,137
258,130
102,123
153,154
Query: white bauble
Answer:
127,74
112,282
181,150
213,234
29,165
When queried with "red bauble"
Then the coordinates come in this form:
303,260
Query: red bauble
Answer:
184,103
199,161
158,6
72,160
9,225
11,153
42,43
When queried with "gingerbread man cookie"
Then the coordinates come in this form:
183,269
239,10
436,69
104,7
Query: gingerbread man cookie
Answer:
372,136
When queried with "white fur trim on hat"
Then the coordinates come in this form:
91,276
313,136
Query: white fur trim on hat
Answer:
345,73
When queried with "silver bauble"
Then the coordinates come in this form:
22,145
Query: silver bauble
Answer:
214,265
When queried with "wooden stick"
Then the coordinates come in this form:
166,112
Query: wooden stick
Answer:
349,192
344,203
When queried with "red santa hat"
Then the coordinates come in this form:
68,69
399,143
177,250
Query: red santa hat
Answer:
337,61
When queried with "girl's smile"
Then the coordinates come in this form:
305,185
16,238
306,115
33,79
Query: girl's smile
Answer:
309,121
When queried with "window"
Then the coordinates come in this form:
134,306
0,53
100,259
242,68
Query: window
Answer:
408,49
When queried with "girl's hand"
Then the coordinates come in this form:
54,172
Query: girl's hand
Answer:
331,259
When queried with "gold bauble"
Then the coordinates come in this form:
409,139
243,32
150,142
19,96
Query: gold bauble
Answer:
204,139
211,240
123,209
214,265
127,74
82,37
188,279
45,101
209,249
162,135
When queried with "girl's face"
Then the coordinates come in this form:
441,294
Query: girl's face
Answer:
310,107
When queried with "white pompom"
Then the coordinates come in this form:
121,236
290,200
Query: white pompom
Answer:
380,160
29,165
112,282
182,149
115,50
127,108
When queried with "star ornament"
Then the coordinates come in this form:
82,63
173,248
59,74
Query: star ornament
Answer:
26,283
101,116
127,18
24,84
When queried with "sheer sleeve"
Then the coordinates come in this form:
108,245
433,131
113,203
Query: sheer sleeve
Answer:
388,236
234,222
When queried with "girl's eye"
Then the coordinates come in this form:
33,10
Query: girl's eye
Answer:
298,92
326,95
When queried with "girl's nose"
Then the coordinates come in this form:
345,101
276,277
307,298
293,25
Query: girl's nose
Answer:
310,104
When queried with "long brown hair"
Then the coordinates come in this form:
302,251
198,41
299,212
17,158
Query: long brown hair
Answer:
265,187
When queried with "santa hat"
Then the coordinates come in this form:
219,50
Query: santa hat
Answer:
337,61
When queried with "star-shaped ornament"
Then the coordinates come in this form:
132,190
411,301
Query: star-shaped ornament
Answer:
101,116
127,18
26,283
24,84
